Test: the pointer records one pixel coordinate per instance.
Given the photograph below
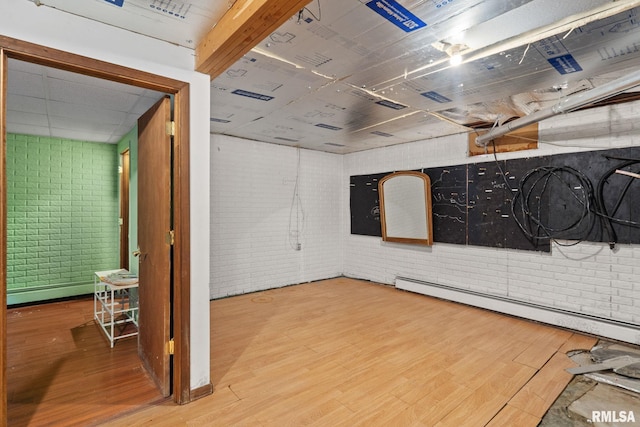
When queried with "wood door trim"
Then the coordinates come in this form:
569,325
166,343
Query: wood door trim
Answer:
3,237
124,209
29,52
182,243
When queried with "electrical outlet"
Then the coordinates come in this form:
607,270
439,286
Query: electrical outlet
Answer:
298,246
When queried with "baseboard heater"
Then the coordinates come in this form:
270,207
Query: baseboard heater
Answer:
593,325
47,292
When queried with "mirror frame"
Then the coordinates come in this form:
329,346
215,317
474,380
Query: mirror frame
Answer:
428,211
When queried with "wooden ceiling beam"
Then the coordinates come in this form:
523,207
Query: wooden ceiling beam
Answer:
244,25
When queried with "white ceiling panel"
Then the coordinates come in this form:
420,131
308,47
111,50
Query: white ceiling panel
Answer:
83,94
67,105
26,118
26,84
92,127
81,135
27,104
29,128
86,114
90,82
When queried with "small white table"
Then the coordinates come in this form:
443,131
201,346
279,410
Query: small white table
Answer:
114,309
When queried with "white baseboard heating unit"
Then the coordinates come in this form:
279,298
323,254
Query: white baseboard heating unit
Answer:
580,322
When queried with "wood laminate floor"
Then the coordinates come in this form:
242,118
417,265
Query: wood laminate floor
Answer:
61,370
344,352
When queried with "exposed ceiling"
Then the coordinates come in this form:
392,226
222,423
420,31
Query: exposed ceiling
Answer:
344,76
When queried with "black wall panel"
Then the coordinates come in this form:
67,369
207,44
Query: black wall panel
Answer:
566,196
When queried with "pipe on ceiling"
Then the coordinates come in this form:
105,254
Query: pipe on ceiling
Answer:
568,104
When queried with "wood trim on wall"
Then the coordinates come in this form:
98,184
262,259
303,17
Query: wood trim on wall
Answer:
125,157
181,258
29,52
525,138
3,237
200,392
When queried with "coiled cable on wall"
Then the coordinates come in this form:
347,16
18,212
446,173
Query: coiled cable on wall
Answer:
531,202
528,205
609,217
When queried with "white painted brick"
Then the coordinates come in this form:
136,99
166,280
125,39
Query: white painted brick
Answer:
252,188
583,278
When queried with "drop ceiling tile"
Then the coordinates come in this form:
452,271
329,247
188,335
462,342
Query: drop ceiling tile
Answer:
28,129
25,118
85,113
25,84
26,104
81,135
79,79
130,121
97,127
89,95
145,102
16,65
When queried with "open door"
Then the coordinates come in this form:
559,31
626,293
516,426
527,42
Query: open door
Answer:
48,56
155,239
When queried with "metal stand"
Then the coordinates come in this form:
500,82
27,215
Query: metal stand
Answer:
113,306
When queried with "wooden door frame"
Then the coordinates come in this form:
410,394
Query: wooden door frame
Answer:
125,158
29,52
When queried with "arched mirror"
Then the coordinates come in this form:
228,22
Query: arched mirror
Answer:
405,208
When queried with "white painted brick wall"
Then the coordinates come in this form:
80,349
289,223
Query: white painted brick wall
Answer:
252,189
587,278
251,195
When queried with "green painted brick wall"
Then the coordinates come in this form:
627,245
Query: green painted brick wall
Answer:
62,211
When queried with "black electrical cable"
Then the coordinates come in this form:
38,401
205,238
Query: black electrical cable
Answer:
592,202
527,205
317,17
609,218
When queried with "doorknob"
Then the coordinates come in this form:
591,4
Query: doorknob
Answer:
136,252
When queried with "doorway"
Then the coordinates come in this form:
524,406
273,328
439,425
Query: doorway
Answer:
180,304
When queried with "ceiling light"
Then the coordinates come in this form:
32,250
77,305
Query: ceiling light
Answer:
453,50
454,53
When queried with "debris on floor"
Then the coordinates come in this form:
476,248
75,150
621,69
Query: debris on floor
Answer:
605,391
619,365
607,406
